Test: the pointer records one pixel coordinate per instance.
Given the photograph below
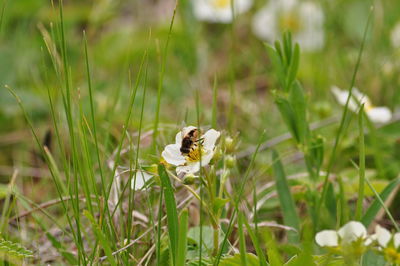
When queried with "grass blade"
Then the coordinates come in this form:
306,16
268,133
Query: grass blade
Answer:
342,122
104,243
182,239
256,243
361,171
288,206
376,205
242,240
172,213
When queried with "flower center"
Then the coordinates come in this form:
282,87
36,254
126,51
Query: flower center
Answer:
368,106
392,255
194,155
290,21
221,3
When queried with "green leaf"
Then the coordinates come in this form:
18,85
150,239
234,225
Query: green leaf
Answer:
298,103
256,244
236,260
219,203
376,206
14,249
182,240
288,206
371,258
276,63
287,113
330,202
274,257
361,184
293,67
67,255
172,213
242,240
104,243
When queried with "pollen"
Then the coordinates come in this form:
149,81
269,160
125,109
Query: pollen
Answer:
221,3
194,155
290,21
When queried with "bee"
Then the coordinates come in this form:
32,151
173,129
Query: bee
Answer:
190,141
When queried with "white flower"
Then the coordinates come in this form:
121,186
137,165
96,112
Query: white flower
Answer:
327,238
383,237
190,163
395,36
376,114
141,178
303,19
350,232
219,11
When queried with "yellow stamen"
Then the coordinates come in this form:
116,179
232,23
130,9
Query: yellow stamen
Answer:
290,21
194,155
221,3
368,106
391,254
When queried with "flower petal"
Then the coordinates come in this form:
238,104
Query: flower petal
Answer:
352,231
327,238
382,235
396,240
370,239
178,138
206,158
172,155
379,114
341,97
210,137
264,23
208,11
141,179
189,168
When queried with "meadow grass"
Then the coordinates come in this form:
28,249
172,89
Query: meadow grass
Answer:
248,206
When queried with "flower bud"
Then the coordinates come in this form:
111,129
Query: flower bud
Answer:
217,154
189,179
230,161
229,144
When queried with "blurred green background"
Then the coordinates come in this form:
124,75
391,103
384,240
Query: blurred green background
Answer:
118,33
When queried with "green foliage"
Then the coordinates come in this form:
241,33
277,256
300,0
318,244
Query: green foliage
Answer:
288,206
172,214
13,249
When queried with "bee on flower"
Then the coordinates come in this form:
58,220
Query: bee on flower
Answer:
375,114
191,150
219,11
303,19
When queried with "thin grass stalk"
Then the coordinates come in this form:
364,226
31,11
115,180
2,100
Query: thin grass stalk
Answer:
238,199
344,115
361,182
132,193
201,182
161,80
92,115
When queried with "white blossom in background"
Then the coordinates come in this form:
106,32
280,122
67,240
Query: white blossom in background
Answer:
380,114
382,236
141,178
350,232
395,36
219,11
305,20
191,164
